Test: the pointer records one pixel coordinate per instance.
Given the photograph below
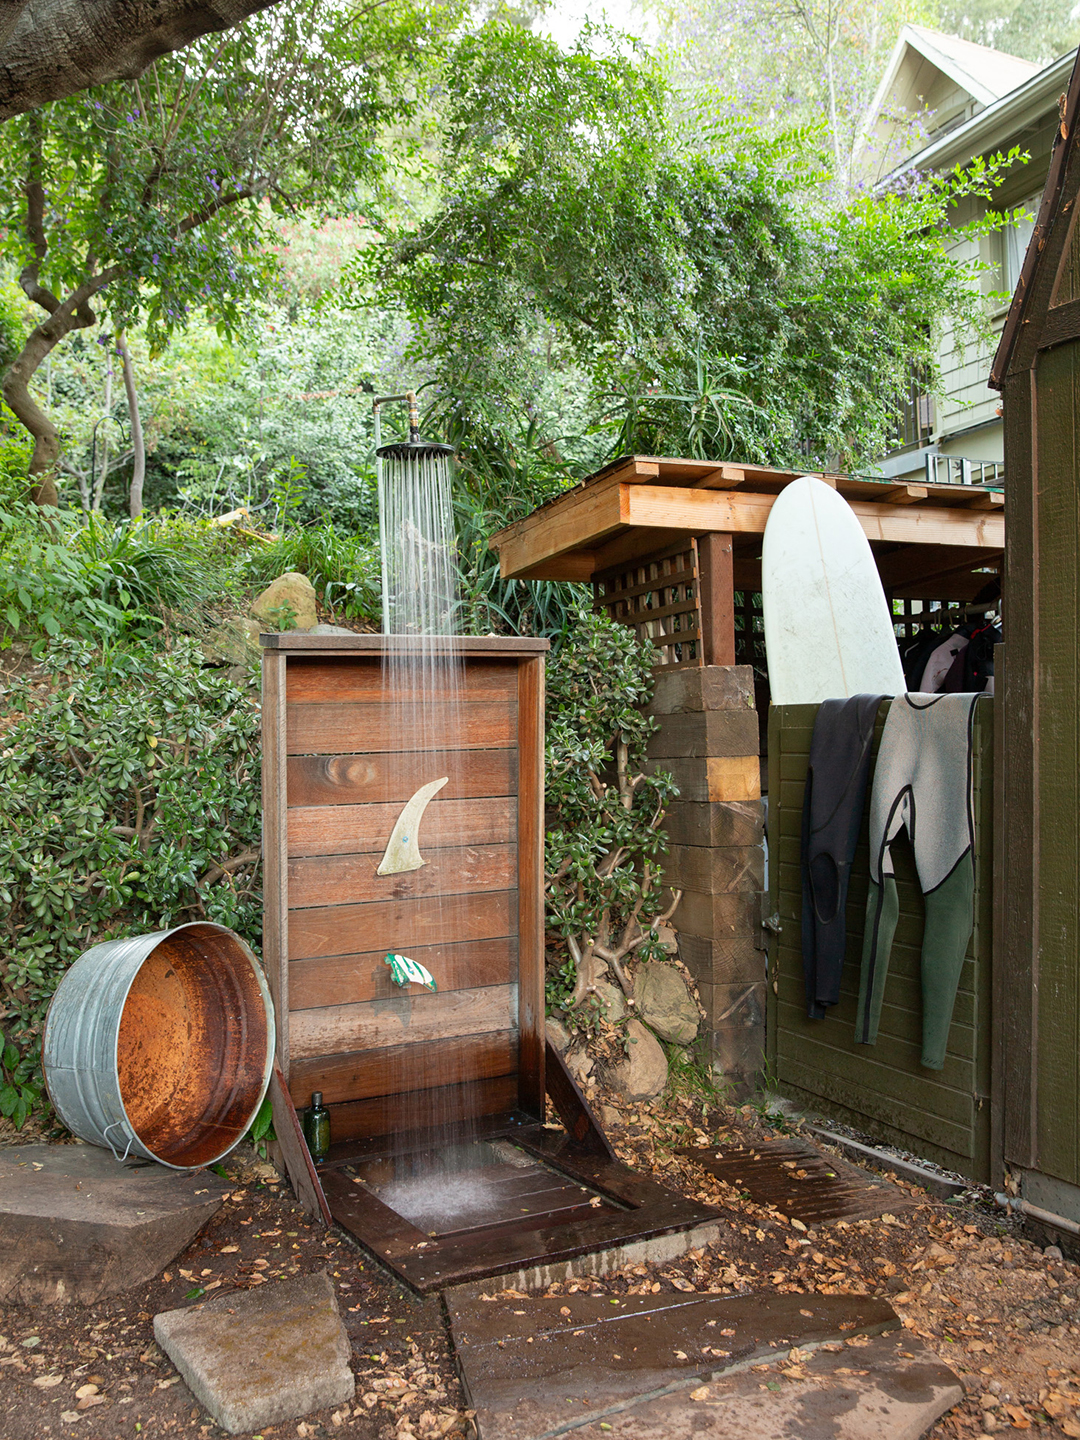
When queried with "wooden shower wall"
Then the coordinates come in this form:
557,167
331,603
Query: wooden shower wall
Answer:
340,761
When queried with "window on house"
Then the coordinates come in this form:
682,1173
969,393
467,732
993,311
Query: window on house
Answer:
915,422
1011,245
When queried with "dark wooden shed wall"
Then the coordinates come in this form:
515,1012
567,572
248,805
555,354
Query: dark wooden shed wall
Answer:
881,1089
1037,367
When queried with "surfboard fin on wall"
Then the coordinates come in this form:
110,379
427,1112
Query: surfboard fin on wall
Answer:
403,849
404,971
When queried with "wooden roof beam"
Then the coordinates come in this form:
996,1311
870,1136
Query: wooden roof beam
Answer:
593,520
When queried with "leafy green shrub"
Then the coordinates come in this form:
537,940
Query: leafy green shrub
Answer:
129,802
344,569
604,813
98,579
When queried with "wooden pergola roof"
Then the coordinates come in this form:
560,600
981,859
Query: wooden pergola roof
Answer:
929,541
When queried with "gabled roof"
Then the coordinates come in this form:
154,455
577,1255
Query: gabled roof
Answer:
1026,324
985,74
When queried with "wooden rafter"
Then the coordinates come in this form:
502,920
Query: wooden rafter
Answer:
643,504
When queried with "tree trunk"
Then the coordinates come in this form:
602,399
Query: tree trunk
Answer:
54,48
138,444
73,314
103,425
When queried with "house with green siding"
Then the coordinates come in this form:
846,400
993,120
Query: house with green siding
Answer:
943,102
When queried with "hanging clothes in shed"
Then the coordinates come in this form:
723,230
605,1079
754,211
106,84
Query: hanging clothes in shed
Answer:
922,782
832,813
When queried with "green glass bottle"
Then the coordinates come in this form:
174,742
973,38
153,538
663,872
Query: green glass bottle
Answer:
317,1128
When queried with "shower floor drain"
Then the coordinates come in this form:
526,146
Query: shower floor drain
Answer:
456,1205
800,1182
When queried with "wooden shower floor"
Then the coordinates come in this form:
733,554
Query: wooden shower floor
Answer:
543,1199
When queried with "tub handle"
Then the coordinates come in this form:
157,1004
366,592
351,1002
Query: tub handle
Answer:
120,1159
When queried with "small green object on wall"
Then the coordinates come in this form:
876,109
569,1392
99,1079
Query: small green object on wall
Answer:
404,971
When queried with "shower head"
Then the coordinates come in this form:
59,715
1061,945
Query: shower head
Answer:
414,448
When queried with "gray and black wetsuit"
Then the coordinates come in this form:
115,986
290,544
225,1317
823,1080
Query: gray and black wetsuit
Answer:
922,782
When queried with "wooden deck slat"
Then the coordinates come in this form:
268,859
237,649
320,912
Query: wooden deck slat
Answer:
411,1110
382,726
361,1074
413,1018
378,779
345,879
329,681
349,979
400,925
360,829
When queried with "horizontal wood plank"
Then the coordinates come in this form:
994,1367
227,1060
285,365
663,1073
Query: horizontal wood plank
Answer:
413,1017
403,1069
349,979
387,726
332,681
401,924
409,1110
360,829
375,779
347,879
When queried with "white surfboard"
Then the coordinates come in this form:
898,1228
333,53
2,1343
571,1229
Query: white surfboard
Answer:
828,630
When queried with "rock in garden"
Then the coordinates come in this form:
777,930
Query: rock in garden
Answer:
611,1000
579,1063
558,1034
287,603
645,1069
664,1003
233,643
666,936
263,1357
331,630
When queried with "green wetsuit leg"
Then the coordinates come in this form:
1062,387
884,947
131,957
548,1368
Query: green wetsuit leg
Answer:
949,923
882,913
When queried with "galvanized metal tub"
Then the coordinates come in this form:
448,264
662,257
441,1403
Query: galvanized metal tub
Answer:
162,1045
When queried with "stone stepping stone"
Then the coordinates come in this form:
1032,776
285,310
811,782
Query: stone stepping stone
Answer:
800,1182
530,1370
887,1391
261,1357
76,1225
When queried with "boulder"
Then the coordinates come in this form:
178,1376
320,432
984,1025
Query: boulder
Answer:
330,630
558,1034
644,1071
579,1063
233,643
291,597
663,1002
667,937
611,1000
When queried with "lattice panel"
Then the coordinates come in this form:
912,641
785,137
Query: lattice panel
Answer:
750,632
909,616
659,597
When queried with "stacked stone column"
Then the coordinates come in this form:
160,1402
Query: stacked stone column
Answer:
708,740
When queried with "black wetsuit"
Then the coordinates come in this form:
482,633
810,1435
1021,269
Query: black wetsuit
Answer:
832,814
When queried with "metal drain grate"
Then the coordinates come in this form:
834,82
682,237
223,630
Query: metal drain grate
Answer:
799,1181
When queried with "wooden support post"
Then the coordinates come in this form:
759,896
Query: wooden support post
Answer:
717,598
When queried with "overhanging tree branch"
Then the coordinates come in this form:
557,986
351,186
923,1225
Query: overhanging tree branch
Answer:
54,48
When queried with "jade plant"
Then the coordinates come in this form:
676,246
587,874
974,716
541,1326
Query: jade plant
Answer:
605,897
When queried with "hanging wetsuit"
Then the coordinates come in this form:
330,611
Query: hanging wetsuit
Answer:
922,781
832,813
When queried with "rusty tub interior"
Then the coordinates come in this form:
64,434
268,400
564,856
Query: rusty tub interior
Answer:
193,1046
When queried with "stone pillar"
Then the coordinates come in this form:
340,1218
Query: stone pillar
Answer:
708,740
